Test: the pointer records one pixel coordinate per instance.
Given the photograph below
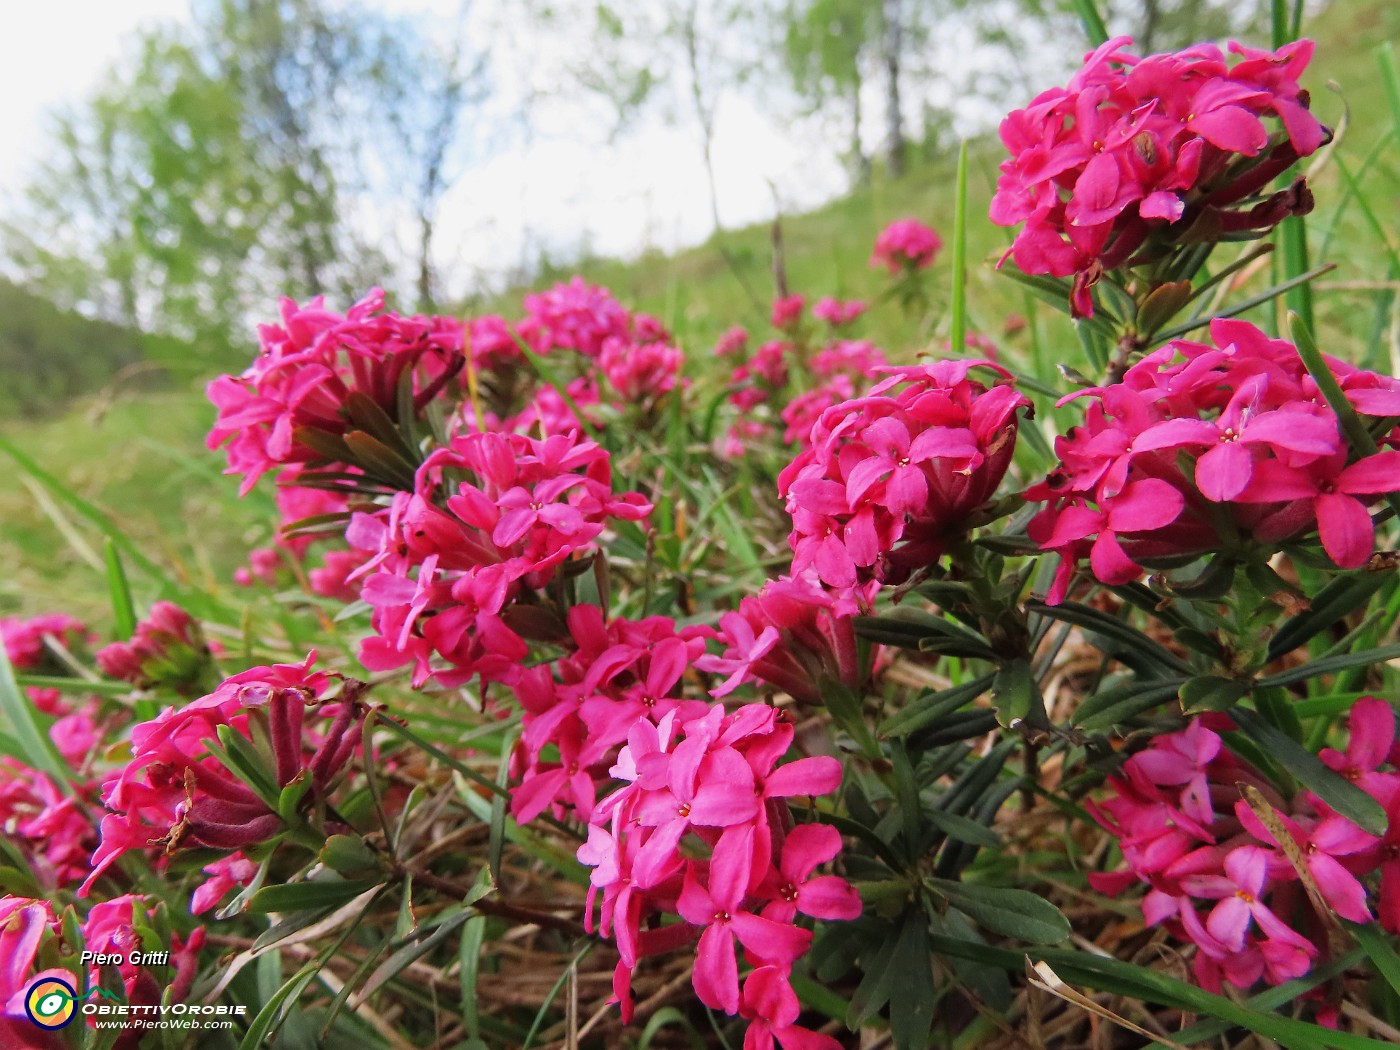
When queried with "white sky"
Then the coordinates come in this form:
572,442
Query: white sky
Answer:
567,189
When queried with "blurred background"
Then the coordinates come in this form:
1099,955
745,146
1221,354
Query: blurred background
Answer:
173,167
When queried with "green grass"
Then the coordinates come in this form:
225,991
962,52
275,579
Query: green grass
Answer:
142,461
141,458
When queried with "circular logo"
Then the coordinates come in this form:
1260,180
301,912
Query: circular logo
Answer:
49,1002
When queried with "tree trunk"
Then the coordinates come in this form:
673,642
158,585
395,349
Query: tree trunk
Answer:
892,43
860,163
704,110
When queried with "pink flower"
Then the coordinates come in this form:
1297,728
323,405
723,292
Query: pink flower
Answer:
1329,838
1329,491
174,793
825,897
1238,429
724,920
23,925
772,1006
892,478
1239,892
905,245
574,316
732,342
787,311
699,782
640,372
836,313
224,874
1136,150
167,649
307,370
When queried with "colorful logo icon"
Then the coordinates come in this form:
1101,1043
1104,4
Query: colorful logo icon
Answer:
50,1002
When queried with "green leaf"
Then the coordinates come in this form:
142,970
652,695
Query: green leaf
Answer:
38,750
1329,664
1114,706
497,824
907,795
261,1027
877,983
469,959
1094,27
421,942
1161,305
1153,986
1017,695
963,829
348,855
1338,792
1333,602
1377,946
910,628
123,610
1211,693
912,992
308,896
959,297
930,707
1133,646
1010,912
848,712
290,797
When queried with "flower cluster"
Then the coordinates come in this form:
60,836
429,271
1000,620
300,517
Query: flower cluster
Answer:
893,477
52,830
792,635
839,313
167,649
1210,447
24,645
709,785
574,316
174,792
640,372
841,368
490,520
904,246
1135,145
578,711
1217,873
310,367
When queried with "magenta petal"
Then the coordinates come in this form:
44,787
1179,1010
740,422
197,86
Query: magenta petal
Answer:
1224,471
828,897
1111,563
1339,888
806,847
1144,506
1373,475
1229,922
819,775
1174,433
1232,128
716,975
1347,533
1372,732
731,867
773,942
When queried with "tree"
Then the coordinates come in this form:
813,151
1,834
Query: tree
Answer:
226,163
827,46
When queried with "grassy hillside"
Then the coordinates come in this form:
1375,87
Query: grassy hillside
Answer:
140,456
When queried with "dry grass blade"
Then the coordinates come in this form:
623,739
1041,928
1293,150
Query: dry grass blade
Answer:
1041,976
